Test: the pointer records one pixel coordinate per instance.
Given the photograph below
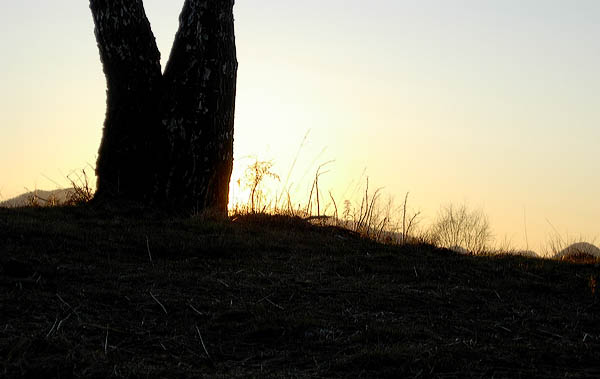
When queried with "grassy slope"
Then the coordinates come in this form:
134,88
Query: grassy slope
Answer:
276,297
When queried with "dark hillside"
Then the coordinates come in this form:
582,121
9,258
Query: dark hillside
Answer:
38,197
89,294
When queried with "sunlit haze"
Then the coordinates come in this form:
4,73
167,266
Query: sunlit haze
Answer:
495,104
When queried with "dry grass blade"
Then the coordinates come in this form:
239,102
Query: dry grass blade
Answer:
82,191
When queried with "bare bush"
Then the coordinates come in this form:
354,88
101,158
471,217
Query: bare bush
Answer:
255,176
460,226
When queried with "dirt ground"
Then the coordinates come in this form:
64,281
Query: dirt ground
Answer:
98,295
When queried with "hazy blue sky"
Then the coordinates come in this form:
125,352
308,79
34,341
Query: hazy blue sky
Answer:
492,103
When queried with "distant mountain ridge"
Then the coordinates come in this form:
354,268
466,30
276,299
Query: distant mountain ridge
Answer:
40,196
579,248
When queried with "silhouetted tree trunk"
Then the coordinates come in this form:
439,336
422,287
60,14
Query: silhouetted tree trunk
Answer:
200,88
168,139
131,63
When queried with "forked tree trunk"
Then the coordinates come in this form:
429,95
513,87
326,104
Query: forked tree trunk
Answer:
168,139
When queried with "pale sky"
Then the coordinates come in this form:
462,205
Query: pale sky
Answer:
495,103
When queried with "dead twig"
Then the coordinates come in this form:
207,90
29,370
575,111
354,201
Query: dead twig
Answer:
56,321
67,304
159,303
63,320
548,333
202,341
148,248
266,298
106,342
275,305
196,310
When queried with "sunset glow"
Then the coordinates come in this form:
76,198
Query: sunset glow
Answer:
494,104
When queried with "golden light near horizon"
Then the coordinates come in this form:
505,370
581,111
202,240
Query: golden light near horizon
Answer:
493,104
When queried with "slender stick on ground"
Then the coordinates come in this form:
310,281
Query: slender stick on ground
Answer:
148,248
106,341
202,341
52,329
196,310
159,303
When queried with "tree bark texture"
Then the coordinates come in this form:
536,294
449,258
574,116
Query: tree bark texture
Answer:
199,106
131,63
168,138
